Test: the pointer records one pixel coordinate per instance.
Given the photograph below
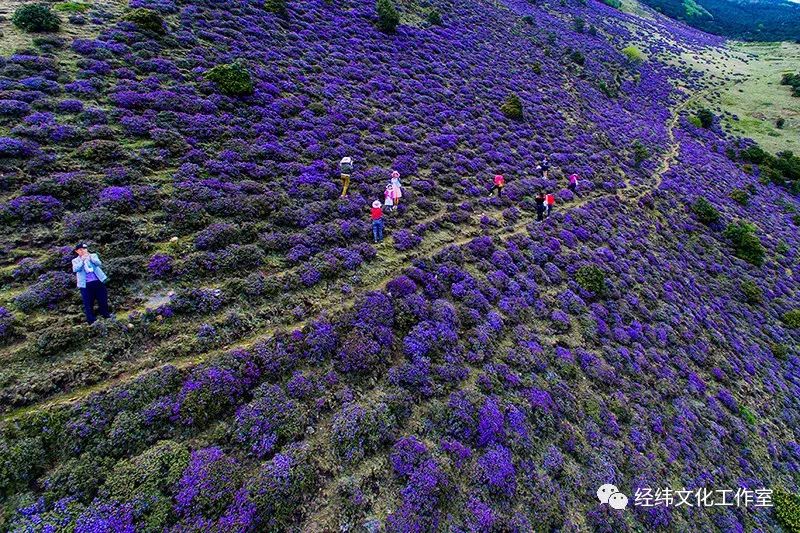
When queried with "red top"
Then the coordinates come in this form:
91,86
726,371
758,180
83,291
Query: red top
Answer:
499,180
376,213
551,199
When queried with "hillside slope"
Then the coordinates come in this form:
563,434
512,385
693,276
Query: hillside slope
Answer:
269,368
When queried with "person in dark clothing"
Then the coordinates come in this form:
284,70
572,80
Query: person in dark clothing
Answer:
91,282
540,207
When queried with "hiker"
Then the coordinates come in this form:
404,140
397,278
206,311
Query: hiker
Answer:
377,221
545,166
540,206
397,190
345,169
550,201
91,281
499,183
573,182
388,198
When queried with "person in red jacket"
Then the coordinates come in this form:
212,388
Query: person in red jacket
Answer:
550,201
377,221
499,183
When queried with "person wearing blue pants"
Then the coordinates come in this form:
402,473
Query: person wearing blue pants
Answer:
91,282
377,221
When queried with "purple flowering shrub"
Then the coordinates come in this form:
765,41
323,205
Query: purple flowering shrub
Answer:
321,383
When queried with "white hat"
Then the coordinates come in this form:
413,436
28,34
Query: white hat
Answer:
376,204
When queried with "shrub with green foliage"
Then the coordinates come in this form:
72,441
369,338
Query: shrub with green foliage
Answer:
791,318
747,415
613,3
752,292
793,81
35,18
434,17
536,67
780,351
740,196
787,510
633,54
579,24
577,57
704,211
388,18
591,278
780,122
149,478
706,118
746,245
512,107
278,7
640,152
72,7
232,79
146,19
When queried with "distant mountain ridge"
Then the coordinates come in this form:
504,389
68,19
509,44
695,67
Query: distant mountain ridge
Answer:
751,20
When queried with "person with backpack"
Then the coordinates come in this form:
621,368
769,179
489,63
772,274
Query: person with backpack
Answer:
345,169
397,190
376,214
540,206
573,183
549,202
499,183
91,281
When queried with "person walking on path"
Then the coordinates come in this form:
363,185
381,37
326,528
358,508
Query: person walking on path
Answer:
345,169
91,282
545,166
376,214
499,183
573,183
540,207
397,190
550,201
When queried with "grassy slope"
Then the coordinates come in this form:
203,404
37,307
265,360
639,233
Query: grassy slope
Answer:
751,108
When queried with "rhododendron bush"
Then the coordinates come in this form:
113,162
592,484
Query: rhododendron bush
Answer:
270,368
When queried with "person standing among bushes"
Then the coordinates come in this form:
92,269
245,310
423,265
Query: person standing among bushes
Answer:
499,183
345,169
573,183
545,166
376,214
540,206
550,201
91,282
388,198
397,191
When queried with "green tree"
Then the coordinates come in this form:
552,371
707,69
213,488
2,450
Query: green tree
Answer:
276,6
388,18
512,107
35,18
146,19
704,211
746,245
232,79
640,152
706,118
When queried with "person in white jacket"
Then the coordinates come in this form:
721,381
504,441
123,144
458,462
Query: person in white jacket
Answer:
91,281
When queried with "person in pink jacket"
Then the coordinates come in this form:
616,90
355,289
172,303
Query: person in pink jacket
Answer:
573,182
